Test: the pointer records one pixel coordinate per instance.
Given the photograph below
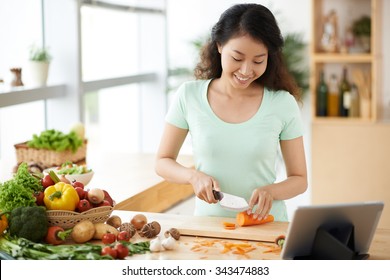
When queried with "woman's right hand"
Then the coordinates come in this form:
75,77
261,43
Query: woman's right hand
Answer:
203,186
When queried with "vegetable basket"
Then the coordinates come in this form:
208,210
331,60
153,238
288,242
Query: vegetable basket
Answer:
68,219
49,158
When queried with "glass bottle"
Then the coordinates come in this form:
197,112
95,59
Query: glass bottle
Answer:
354,109
333,96
345,95
322,96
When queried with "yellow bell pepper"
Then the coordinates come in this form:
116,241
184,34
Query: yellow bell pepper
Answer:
3,222
61,196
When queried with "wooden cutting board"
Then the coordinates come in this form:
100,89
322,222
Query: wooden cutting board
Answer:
213,226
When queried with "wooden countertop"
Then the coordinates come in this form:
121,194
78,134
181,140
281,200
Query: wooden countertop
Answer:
212,248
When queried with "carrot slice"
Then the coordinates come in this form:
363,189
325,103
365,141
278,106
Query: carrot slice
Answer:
243,219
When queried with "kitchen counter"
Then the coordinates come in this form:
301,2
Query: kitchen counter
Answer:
198,247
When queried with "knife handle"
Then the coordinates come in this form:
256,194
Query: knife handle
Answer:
217,195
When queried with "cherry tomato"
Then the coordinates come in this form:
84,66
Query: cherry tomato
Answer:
121,251
109,251
123,236
47,181
108,238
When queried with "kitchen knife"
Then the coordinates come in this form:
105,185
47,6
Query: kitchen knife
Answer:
231,202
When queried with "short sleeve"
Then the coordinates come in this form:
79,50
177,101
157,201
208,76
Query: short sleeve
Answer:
292,127
177,114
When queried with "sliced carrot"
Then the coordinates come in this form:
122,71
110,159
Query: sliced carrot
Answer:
243,219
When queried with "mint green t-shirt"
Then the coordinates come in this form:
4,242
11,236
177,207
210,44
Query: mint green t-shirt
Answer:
241,157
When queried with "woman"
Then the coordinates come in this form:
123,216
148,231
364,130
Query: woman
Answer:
238,111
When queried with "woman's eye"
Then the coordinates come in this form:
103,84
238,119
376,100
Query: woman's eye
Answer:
236,59
258,62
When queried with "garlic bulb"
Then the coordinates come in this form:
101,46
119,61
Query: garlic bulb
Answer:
169,243
155,245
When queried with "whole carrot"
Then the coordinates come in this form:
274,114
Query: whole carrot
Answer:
243,219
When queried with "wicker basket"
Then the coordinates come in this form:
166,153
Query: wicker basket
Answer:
49,158
68,219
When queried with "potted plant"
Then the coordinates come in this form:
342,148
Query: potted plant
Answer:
39,62
361,29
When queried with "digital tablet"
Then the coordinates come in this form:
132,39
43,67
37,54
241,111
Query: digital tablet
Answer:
309,222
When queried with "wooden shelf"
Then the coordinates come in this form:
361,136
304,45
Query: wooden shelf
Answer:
341,58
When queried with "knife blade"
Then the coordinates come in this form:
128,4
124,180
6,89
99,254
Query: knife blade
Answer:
231,202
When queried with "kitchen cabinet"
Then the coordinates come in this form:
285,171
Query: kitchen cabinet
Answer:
349,155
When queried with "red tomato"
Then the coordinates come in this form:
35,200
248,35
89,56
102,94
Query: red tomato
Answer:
109,251
121,251
123,236
108,238
83,205
47,181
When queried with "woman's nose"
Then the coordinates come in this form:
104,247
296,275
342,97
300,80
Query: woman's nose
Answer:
245,68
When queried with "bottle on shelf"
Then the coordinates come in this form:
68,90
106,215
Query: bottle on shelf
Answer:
345,95
322,96
355,107
333,96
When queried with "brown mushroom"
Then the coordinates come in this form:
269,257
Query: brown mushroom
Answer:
174,232
129,228
150,230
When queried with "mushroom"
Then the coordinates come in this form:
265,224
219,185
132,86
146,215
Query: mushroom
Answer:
129,228
150,230
174,232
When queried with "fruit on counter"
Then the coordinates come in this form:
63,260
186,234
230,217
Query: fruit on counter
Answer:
83,231
109,251
83,205
114,221
243,219
123,236
95,195
138,221
122,251
102,228
61,196
28,222
56,235
108,238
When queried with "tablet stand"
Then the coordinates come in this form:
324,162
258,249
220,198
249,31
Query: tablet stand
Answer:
334,242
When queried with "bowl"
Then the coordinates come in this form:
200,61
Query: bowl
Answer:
84,178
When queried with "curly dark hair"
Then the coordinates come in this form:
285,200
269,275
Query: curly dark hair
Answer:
258,22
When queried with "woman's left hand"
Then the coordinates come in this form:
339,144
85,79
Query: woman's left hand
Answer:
263,200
